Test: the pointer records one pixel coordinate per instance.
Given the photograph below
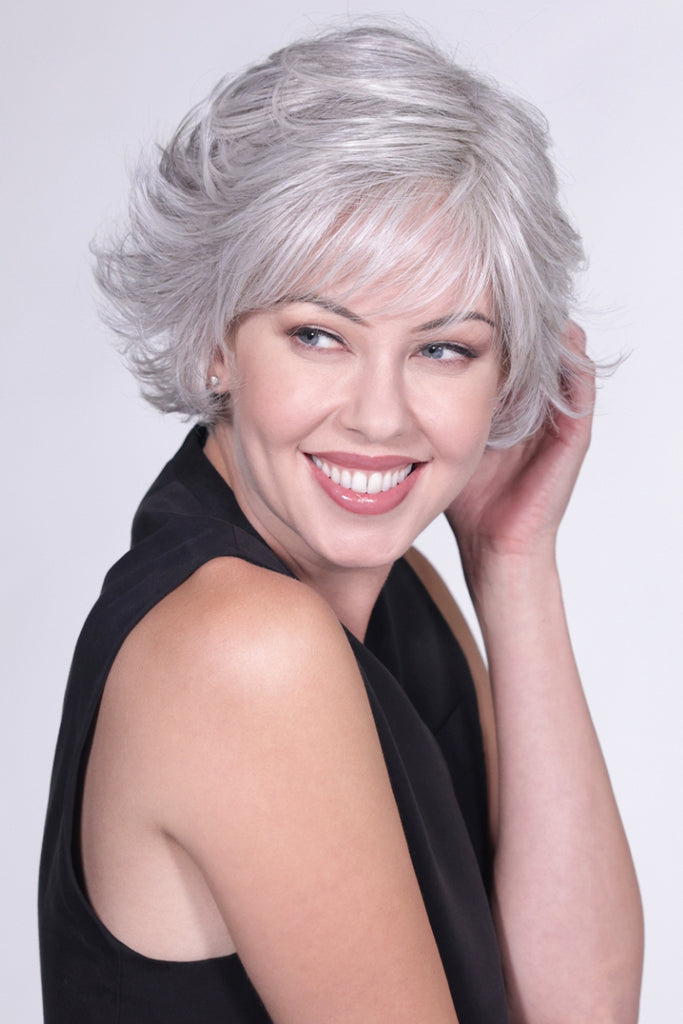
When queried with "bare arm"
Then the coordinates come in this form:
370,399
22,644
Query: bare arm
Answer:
565,894
264,765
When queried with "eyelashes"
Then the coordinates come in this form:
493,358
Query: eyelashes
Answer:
315,338
448,351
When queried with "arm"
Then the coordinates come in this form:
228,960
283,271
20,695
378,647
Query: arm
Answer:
565,894
265,767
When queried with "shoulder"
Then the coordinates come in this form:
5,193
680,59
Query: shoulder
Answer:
239,673
229,626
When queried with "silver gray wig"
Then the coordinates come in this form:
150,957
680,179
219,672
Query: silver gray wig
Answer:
357,159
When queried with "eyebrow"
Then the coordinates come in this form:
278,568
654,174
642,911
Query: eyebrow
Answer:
327,304
455,318
431,325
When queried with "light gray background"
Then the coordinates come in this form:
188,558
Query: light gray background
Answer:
85,84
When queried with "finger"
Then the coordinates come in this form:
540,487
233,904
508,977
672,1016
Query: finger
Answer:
574,337
577,371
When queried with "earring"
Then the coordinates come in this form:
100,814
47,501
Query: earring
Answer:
214,381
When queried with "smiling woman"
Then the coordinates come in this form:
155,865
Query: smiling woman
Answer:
282,791
319,392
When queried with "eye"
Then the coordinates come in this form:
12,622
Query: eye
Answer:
315,338
447,351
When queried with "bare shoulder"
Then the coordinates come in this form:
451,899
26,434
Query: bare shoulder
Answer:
231,623
453,615
233,671
214,668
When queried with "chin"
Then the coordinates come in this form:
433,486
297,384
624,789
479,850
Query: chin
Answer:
370,555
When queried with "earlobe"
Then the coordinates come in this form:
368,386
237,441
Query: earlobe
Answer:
219,378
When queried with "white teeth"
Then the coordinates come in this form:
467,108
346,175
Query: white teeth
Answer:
360,482
375,483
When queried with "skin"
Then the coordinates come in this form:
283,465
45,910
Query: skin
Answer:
362,385
298,865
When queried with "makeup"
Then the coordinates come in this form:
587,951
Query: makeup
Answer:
365,485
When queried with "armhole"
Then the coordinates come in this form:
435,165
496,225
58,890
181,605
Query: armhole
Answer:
445,602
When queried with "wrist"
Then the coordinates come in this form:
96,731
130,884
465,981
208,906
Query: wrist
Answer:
499,581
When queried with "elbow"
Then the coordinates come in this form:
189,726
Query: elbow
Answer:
610,1000
605,990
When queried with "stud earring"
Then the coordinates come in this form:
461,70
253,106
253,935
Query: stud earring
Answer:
214,381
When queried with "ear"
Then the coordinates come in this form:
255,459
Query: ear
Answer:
219,378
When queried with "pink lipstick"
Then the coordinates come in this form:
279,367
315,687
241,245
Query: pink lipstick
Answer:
366,485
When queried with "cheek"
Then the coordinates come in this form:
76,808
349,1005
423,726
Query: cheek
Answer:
277,408
461,421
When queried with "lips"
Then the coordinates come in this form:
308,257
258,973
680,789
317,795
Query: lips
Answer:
363,484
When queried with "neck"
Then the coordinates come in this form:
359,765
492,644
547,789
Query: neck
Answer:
351,593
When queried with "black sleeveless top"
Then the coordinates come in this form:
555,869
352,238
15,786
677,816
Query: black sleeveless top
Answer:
425,710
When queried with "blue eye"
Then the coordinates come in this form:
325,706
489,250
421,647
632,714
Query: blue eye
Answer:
447,351
315,338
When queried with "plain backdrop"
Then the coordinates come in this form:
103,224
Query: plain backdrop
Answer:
84,86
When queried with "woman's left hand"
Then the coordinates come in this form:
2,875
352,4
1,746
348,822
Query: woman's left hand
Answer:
515,501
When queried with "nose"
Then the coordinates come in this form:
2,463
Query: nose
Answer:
375,404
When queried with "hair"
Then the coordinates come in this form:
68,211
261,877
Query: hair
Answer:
363,157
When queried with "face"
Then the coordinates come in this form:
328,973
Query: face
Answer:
351,430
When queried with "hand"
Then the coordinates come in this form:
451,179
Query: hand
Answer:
515,501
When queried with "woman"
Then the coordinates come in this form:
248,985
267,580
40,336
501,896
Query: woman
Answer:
282,791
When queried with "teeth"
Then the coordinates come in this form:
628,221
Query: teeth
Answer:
360,482
375,483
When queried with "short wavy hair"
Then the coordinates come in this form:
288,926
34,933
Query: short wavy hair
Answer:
363,156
